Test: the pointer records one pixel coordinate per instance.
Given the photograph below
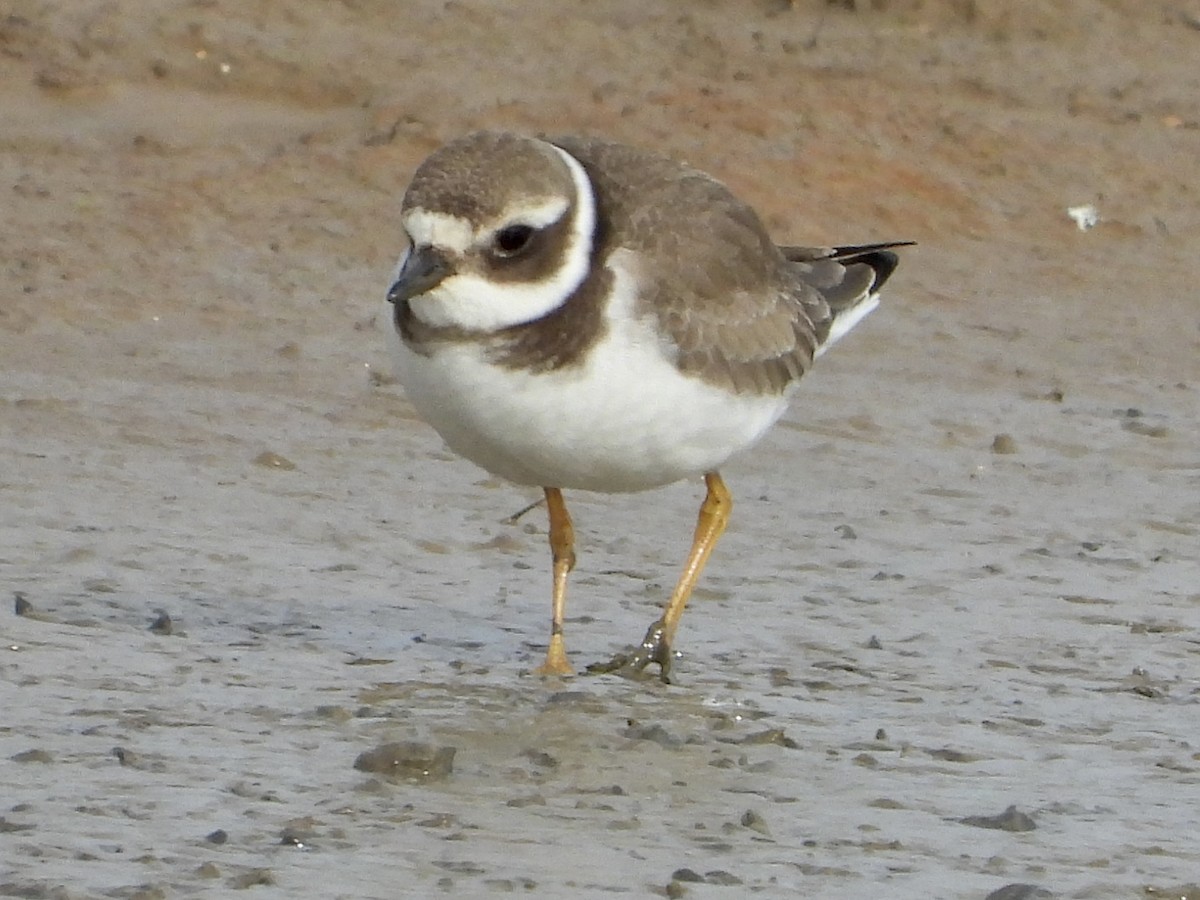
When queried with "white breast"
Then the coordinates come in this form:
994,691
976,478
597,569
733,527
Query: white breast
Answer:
624,420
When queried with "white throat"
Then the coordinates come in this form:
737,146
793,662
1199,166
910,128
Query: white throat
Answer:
472,302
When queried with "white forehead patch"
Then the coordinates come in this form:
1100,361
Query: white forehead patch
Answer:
435,229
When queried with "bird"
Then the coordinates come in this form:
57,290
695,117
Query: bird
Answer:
577,314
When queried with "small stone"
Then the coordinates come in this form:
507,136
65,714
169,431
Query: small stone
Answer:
755,822
409,760
721,877
687,875
1009,820
780,677
572,698
334,713
440,820
207,870
217,837
162,624
1189,891
21,604
252,878
523,802
846,533
1145,429
771,736
30,756
949,754
1020,892
298,832
7,827
1004,444
270,460
540,758
655,733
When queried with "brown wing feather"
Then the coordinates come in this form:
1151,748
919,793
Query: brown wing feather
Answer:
843,277
741,318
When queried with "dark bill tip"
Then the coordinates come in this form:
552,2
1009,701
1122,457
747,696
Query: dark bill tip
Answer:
424,270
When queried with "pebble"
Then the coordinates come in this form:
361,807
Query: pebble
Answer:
949,754
720,876
252,878
36,755
680,877
26,610
771,736
755,822
540,758
1020,892
1189,891
148,892
7,827
162,623
269,460
655,733
781,677
409,760
1145,429
334,713
298,832
1004,444
1009,820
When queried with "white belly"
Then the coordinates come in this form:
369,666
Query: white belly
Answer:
623,420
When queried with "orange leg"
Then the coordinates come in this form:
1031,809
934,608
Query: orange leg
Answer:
656,645
562,549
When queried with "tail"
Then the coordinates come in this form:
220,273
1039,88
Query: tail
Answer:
848,279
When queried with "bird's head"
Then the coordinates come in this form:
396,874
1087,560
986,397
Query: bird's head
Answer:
500,230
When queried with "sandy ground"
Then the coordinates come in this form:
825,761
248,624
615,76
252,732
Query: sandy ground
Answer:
963,575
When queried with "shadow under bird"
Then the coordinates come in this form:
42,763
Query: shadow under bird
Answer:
574,313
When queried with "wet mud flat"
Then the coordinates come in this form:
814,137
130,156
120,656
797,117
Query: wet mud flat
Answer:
940,689
267,635
235,756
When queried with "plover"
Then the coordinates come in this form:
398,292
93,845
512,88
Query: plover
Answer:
574,313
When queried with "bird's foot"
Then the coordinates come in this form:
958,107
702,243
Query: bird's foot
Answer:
654,648
556,664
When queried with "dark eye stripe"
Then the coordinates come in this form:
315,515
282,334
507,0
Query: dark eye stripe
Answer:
542,256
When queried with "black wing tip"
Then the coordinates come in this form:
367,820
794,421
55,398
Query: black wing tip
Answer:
878,256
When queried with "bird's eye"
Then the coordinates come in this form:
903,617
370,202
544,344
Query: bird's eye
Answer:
512,239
